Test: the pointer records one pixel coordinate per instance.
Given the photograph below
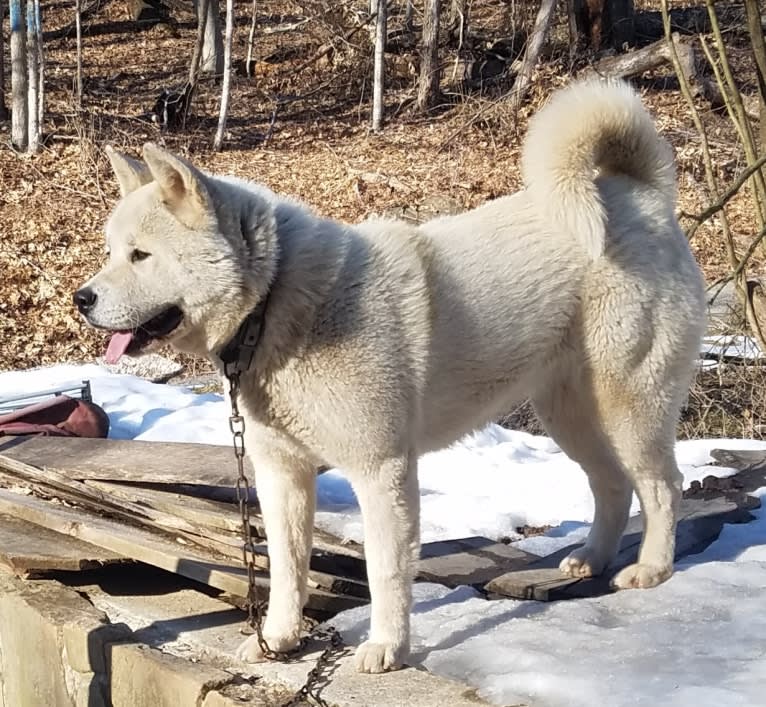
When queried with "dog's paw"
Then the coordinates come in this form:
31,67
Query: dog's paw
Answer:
250,650
378,657
641,576
583,562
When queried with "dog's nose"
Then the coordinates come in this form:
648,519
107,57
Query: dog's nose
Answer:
85,299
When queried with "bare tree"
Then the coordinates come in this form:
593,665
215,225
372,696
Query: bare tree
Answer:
534,47
40,63
249,68
3,107
212,49
78,26
19,121
458,20
430,74
759,53
33,80
226,87
379,71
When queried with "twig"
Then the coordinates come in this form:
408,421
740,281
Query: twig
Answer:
730,193
327,48
739,269
742,123
478,114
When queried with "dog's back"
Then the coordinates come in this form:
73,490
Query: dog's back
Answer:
528,280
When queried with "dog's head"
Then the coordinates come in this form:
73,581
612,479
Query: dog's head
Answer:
179,248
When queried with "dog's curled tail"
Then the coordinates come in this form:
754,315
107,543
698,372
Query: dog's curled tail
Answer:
589,128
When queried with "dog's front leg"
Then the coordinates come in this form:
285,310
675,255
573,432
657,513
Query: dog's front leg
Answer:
390,504
287,494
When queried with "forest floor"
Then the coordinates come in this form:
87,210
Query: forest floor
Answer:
301,128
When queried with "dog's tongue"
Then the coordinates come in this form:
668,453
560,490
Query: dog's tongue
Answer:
117,346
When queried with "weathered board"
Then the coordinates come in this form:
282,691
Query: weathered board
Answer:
144,546
28,550
126,460
751,475
700,523
473,561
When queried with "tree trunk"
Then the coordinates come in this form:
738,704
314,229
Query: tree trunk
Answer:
249,66
458,21
379,71
33,80
3,107
19,122
226,87
534,47
40,64
604,22
78,27
212,49
430,74
759,53
199,44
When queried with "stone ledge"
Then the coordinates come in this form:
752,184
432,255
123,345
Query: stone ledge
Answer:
167,650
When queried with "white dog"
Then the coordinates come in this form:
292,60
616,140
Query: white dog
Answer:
383,341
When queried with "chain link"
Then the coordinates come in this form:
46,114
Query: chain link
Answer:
317,677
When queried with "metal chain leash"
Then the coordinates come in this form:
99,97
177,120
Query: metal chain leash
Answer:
255,603
317,677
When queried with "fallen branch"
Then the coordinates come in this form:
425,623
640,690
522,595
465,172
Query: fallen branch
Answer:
656,55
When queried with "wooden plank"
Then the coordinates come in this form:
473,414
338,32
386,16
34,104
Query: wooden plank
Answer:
144,546
700,523
218,515
28,550
49,482
473,561
127,460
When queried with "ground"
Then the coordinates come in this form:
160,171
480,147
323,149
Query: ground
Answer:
319,147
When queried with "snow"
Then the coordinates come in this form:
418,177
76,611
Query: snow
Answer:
696,640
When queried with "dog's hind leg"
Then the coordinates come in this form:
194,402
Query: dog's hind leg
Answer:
569,418
287,493
390,503
647,452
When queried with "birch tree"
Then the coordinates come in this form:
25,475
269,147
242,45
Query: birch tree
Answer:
379,70
19,119
3,107
226,87
78,27
33,78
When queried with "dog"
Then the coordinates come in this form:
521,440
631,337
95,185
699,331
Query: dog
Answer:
385,340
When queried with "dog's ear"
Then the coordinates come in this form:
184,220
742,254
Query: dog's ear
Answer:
181,185
131,174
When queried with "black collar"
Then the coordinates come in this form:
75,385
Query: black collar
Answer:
237,356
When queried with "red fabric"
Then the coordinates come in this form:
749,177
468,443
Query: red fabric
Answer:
60,416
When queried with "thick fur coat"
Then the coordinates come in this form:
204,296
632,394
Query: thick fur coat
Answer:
383,340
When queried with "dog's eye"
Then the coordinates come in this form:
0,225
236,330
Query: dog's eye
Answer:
137,255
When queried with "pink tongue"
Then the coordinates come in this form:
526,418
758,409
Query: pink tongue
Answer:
118,345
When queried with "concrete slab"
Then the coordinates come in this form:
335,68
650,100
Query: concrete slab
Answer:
205,632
